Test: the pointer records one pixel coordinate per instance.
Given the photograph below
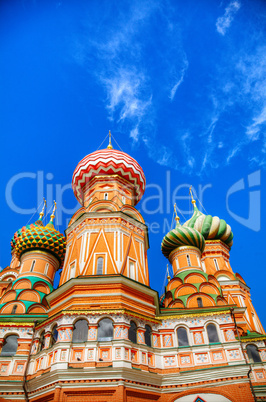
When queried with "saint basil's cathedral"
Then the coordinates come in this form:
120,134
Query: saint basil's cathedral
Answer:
104,334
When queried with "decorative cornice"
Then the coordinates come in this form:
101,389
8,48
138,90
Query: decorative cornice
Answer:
168,317
16,324
261,338
114,311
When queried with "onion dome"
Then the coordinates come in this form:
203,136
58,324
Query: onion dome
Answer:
181,236
211,227
39,237
107,162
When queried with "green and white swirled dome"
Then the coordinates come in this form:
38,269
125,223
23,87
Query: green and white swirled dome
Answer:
182,236
211,227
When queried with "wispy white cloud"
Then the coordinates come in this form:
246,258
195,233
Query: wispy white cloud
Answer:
224,22
253,130
134,134
125,93
180,80
141,77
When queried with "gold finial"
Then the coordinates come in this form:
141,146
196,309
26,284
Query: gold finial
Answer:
176,216
168,275
53,213
192,198
110,146
43,208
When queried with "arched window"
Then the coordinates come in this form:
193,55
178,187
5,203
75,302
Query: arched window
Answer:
182,337
212,333
46,269
253,354
105,330
14,309
99,266
41,341
188,261
32,266
132,332
10,346
216,264
106,196
147,335
54,335
199,301
80,332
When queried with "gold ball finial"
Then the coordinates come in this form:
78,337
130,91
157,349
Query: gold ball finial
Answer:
110,146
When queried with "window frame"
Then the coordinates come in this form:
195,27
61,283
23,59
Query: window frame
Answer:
213,325
83,340
250,355
105,338
185,329
12,353
130,330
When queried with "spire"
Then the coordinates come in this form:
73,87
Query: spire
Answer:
39,221
177,219
43,208
192,198
110,146
51,224
168,275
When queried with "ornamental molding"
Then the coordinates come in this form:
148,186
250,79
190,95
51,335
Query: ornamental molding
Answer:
10,272
169,317
262,338
107,218
16,324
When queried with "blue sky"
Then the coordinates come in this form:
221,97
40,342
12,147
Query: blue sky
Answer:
181,85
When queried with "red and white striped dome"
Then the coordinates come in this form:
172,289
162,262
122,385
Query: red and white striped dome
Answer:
108,162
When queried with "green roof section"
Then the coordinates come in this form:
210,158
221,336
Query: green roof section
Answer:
211,227
33,280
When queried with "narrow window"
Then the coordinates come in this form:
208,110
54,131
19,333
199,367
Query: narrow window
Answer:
106,196
253,354
216,264
147,335
99,266
10,346
188,261
182,337
105,330
14,309
46,269
132,332
72,270
80,332
41,341
212,333
132,270
54,335
199,301
32,266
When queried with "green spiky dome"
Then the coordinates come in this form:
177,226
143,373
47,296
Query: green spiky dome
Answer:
182,236
211,227
39,237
